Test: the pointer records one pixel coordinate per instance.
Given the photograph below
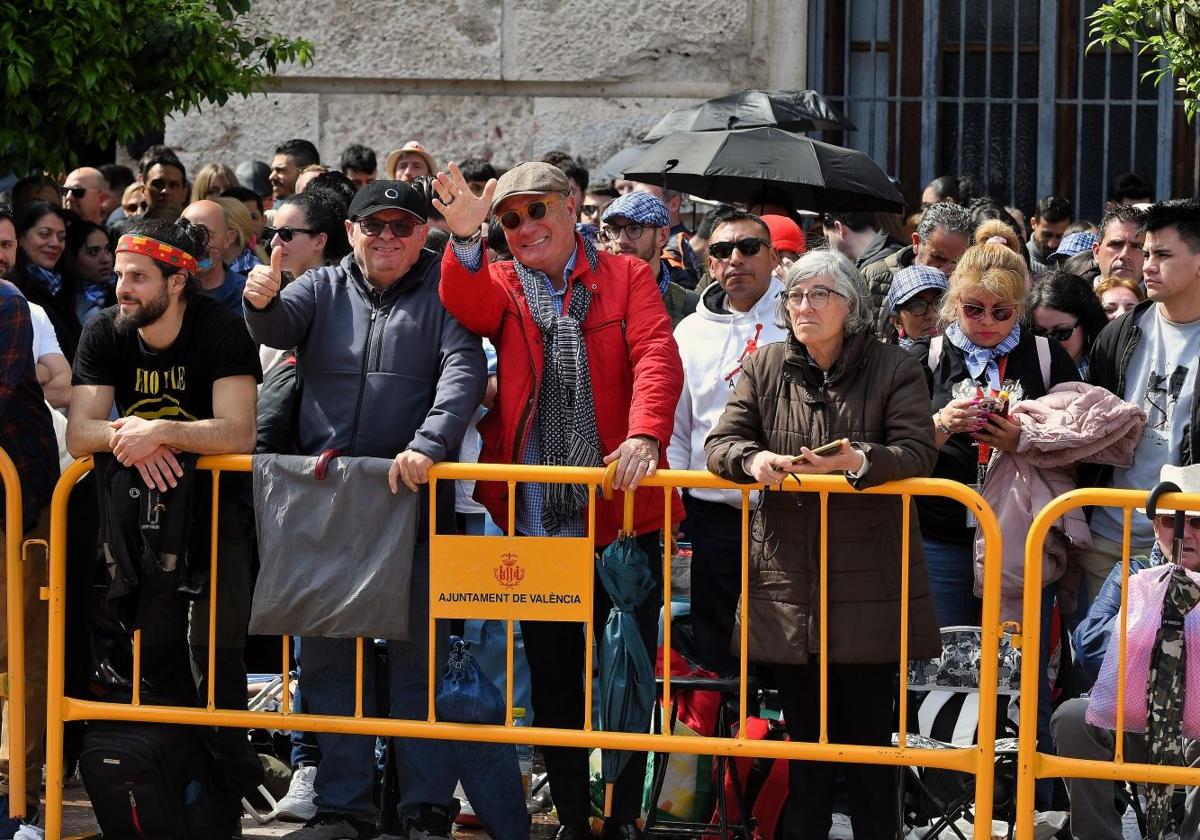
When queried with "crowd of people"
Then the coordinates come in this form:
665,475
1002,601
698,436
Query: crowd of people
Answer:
422,314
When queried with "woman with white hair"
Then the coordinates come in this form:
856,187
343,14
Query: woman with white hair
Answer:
832,383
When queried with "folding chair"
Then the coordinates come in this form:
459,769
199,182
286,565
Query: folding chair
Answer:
943,698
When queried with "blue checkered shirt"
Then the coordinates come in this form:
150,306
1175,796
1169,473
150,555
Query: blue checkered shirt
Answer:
531,498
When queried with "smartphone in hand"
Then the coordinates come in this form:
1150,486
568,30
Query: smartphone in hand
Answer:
826,449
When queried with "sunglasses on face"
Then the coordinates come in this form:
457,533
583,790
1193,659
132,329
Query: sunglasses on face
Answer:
286,233
400,228
748,247
1061,334
589,209
919,306
611,233
535,210
78,192
976,312
1167,520
818,297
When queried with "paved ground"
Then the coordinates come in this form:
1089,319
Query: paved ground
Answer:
78,822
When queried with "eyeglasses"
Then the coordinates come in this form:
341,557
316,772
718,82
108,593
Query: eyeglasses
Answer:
400,228
611,233
1167,520
818,296
78,192
919,306
286,233
748,247
976,312
1061,334
535,210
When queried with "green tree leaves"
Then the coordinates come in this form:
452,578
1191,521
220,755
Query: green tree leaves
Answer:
106,71
1169,30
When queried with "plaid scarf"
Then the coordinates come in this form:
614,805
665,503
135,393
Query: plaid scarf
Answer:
1165,684
980,359
49,280
566,415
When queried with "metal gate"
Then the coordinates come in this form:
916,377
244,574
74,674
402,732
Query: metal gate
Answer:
1002,90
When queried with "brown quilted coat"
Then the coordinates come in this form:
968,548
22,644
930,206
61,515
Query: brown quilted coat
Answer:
876,396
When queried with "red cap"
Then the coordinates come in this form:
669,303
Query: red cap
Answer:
785,234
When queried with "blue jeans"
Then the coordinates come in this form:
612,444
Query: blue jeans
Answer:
345,780
304,744
951,569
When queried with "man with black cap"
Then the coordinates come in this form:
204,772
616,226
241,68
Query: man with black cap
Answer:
589,375
386,370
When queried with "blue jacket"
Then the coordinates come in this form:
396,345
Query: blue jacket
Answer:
382,371
1094,633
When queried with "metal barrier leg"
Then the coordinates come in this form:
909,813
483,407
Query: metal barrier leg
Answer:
14,569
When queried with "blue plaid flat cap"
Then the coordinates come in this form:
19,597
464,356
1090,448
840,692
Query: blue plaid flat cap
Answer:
1074,243
912,281
640,208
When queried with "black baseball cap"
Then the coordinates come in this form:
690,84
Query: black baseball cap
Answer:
388,195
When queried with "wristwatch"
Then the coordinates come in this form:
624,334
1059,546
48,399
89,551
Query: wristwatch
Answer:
939,425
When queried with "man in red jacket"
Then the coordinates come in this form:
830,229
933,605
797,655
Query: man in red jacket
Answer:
588,375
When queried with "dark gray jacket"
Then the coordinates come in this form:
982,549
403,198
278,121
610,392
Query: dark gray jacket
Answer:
382,371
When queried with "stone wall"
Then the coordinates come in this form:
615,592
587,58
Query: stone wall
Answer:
502,79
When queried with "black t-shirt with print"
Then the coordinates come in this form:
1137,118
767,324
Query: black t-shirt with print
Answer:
175,383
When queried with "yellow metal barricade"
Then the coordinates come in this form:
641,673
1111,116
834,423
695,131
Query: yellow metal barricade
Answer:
1032,764
555,582
13,689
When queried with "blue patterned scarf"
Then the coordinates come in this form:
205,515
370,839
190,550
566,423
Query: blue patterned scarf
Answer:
978,358
49,280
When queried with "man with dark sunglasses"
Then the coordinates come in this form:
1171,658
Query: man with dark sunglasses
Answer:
637,224
589,375
1150,357
86,193
735,316
386,370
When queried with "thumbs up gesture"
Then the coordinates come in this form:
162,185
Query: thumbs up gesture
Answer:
263,282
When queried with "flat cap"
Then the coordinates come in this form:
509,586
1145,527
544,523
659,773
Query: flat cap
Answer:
531,177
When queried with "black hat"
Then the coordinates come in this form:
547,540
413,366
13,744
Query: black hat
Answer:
388,195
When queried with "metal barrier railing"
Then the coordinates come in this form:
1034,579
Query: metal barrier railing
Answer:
456,558
1032,764
13,689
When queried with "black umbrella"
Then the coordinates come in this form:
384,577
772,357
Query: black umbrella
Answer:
612,168
794,110
742,166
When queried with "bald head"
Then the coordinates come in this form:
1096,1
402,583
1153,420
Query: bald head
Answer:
221,234
86,193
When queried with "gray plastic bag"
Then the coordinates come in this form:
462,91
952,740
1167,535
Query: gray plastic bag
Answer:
336,554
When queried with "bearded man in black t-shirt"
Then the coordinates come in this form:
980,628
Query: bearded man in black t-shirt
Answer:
181,372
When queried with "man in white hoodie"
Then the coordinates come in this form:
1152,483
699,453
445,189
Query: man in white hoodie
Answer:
735,316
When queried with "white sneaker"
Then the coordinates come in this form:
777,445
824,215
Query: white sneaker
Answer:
298,805
840,829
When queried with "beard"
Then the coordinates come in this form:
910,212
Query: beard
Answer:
145,315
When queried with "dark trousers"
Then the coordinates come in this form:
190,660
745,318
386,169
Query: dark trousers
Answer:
714,529
861,711
556,664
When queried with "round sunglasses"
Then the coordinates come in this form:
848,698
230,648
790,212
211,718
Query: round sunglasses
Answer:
534,210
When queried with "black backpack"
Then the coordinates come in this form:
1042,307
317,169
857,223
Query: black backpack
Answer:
152,781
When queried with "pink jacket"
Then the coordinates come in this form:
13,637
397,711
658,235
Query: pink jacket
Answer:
1074,423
